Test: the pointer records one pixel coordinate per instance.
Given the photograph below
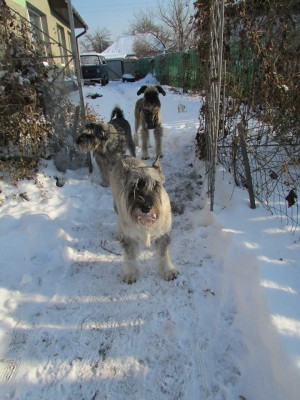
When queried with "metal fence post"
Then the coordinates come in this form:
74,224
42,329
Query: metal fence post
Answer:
213,95
241,131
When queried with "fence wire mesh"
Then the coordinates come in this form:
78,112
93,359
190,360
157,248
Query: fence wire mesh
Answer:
260,93
275,171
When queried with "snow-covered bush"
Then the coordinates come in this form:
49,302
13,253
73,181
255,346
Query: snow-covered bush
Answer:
34,112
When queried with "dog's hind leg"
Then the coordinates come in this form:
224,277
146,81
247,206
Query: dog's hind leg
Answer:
131,248
130,144
158,133
165,265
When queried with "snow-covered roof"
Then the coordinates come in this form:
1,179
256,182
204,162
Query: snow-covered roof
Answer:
91,53
124,45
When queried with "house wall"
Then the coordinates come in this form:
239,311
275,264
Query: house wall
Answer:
56,28
17,5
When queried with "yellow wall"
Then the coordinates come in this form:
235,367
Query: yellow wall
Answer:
18,5
52,23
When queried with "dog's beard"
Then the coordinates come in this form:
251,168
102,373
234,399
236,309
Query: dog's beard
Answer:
144,202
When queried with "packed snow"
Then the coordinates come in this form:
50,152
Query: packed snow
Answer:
228,328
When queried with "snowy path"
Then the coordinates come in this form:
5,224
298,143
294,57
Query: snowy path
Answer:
78,332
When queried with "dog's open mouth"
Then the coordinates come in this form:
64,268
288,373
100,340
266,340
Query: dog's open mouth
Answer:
146,218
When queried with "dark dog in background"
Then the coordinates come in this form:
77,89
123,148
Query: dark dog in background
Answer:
108,141
144,212
147,115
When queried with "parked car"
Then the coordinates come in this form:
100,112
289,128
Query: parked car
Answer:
94,68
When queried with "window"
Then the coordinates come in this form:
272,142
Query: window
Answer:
62,45
70,54
39,30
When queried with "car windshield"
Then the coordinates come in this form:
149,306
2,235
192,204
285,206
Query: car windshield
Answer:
90,60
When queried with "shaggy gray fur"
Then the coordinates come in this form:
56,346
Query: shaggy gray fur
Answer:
144,213
147,114
108,141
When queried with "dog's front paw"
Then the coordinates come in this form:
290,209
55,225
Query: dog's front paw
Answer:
170,275
130,279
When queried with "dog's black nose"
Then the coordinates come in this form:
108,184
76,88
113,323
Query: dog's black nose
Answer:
145,209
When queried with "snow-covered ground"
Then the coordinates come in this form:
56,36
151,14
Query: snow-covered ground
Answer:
227,329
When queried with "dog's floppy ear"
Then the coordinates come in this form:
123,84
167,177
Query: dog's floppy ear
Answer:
94,127
97,129
101,130
161,90
141,90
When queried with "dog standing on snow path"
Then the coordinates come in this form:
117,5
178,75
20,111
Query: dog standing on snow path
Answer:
147,114
144,213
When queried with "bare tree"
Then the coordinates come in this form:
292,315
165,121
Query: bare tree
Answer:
143,48
146,22
97,41
177,17
171,23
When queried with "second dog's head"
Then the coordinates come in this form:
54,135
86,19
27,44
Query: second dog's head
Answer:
94,135
144,187
151,92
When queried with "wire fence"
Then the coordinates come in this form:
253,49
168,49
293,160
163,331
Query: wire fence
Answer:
275,171
259,125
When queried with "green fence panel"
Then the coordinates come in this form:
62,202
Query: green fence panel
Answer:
180,69
185,70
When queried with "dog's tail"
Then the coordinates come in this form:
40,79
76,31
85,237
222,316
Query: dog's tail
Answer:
117,112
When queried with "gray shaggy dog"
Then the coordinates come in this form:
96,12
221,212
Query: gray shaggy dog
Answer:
147,114
108,141
144,213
